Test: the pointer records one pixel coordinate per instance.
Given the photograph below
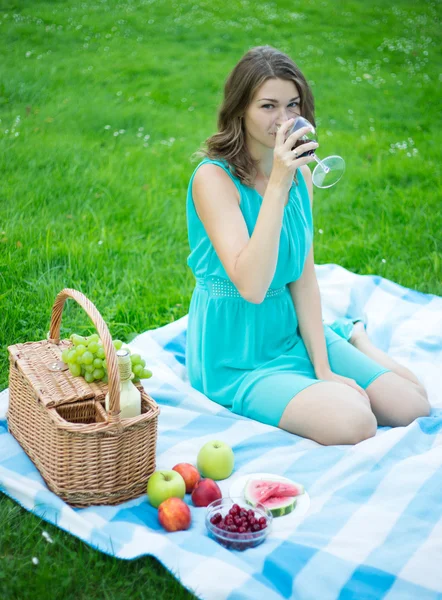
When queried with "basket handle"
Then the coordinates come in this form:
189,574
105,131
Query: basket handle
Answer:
105,336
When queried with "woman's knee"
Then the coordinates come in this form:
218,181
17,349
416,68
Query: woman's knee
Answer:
414,405
330,414
362,426
354,427
397,402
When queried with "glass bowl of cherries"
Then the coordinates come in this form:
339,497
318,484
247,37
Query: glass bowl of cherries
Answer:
236,525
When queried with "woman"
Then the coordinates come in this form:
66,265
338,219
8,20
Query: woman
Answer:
256,342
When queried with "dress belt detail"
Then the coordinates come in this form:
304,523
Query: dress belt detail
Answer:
221,287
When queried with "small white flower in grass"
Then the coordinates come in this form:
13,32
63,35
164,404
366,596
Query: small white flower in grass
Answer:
35,560
321,231
190,109
115,133
107,126
383,260
17,134
139,134
140,128
100,242
47,537
119,93
28,54
147,137
122,131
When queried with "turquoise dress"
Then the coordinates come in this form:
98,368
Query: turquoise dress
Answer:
250,357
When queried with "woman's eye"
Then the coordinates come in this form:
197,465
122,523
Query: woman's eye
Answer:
291,105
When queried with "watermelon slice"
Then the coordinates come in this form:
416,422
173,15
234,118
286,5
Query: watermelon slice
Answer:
289,489
258,491
280,505
278,497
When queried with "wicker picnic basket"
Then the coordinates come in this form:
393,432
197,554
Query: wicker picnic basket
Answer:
85,455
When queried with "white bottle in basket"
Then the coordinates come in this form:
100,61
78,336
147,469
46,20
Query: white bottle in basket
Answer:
130,396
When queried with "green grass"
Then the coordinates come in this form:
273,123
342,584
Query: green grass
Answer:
105,214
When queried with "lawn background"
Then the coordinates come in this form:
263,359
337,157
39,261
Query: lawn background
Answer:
102,105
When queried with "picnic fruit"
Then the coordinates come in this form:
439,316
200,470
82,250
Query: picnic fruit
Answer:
278,497
189,474
86,357
205,492
259,491
163,485
236,527
174,514
215,460
239,520
280,505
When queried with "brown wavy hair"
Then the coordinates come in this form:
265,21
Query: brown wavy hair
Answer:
257,66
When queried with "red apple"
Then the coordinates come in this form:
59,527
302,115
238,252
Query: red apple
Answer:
205,492
190,475
174,514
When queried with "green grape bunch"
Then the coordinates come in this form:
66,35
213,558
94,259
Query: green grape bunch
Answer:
86,358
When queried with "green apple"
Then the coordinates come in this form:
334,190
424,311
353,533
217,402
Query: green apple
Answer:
215,460
163,485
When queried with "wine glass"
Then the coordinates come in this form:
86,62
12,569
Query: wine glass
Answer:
329,170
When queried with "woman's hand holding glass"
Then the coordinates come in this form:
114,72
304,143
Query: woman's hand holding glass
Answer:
286,159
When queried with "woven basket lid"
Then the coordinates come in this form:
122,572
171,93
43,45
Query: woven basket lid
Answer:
52,388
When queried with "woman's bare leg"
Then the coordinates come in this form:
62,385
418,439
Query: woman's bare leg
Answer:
396,401
329,413
362,342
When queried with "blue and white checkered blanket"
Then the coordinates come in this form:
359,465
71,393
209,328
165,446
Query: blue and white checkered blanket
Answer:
374,526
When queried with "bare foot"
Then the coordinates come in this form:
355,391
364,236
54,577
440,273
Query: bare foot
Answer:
358,332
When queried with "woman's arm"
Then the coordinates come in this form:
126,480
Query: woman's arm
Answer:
250,262
307,301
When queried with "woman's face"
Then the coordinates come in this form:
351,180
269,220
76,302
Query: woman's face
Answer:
276,101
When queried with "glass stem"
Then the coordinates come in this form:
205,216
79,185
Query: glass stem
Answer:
319,161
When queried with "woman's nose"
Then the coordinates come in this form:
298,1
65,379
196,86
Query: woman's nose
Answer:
283,116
